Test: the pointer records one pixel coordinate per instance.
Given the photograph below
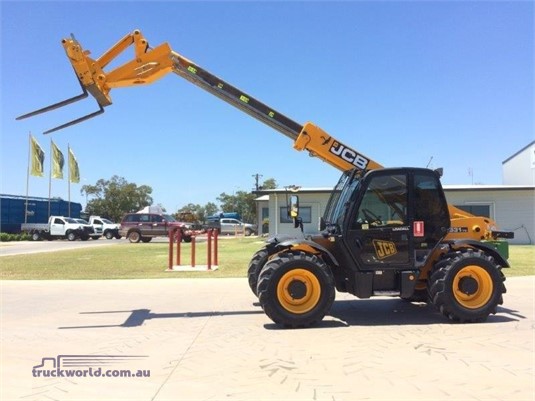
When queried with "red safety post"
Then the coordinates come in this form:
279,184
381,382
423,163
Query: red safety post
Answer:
175,234
171,245
216,233
193,251
209,251
171,235
178,242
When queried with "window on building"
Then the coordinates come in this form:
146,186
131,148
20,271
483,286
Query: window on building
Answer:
305,212
476,210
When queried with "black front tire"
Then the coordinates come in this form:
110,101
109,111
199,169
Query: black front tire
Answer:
71,236
296,289
108,234
467,286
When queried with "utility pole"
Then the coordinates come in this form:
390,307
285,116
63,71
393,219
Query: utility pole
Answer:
257,179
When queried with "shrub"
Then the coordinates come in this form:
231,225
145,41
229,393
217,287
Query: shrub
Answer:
6,237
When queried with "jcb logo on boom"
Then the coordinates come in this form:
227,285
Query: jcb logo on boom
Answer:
384,249
349,155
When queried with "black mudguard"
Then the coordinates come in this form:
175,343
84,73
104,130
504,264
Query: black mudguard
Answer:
462,243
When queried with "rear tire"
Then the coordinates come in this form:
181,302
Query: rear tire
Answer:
467,286
296,290
36,236
256,264
134,237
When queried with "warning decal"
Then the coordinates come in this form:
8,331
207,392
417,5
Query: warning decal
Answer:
418,228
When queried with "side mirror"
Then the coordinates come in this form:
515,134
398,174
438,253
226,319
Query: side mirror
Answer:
293,211
293,207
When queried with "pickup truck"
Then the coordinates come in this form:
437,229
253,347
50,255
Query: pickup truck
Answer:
105,227
232,226
58,227
89,231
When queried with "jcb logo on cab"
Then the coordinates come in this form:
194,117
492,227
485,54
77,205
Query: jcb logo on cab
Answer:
384,249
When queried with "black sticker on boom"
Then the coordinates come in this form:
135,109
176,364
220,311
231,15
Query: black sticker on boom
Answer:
349,155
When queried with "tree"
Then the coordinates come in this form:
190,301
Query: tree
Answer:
241,202
270,183
201,212
114,197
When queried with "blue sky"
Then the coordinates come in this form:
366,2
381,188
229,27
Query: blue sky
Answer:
402,82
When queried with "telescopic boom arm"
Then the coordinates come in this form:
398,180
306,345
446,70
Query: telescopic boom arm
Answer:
151,64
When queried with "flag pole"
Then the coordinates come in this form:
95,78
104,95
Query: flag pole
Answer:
50,178
28,177
69,155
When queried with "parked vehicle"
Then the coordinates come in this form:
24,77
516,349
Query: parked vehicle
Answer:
105,227
58,227
225,215
235,226
89,231
189,218
145,226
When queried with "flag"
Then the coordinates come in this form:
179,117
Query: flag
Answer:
37,158
57,162
74,172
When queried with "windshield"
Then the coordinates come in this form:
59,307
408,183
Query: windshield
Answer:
107,221
334,213
168,217
71,221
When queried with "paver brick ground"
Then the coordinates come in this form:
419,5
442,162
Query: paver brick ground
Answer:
207,339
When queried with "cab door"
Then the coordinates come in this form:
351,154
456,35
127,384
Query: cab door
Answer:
57,227
379,227
159,225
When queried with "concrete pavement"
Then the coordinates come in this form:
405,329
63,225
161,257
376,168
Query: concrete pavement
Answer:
27,247
206,339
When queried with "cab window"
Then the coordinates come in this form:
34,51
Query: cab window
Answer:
384,203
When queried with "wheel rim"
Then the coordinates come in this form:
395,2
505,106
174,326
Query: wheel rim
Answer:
472,287
298,291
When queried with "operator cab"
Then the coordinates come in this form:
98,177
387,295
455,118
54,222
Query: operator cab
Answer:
382,226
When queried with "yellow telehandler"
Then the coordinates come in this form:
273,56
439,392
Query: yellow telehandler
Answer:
385,231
